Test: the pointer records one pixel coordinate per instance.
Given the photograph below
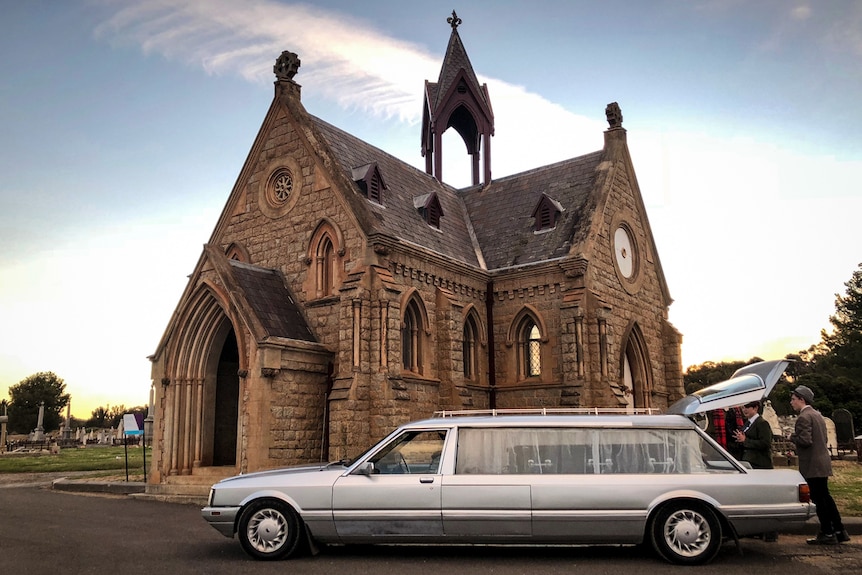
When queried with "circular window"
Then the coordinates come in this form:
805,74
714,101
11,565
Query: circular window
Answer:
279,191
280,186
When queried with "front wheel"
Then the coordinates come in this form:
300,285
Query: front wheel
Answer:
686,533
269,529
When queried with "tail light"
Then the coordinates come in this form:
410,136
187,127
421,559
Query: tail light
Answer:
804,493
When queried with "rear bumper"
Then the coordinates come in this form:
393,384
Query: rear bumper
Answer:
785,519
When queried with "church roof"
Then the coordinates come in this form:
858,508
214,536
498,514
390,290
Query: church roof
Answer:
501,213
270,301
396,215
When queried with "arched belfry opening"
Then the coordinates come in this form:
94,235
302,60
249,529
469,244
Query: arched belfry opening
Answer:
636,372
457,101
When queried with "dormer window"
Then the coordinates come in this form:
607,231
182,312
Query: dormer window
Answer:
546,213
429,208
370,181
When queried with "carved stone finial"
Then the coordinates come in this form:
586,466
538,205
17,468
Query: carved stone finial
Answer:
286,66
614,115
453,20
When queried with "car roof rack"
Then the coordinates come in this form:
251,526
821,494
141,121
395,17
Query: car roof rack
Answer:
551,411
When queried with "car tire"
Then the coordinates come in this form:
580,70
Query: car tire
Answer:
686,533
269,529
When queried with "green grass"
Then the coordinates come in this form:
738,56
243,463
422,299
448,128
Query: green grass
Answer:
846,487
76,459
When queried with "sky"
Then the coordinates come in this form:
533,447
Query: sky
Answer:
124,125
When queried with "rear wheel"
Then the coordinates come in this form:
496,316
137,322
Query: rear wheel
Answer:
686,533
269,529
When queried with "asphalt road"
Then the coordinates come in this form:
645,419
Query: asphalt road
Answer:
56,533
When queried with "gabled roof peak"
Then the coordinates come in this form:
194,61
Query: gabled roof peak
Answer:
455,60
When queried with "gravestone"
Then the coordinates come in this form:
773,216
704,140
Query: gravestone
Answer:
39,433
772,418
844,429
831,437
67,430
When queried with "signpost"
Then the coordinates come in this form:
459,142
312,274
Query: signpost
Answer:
133,424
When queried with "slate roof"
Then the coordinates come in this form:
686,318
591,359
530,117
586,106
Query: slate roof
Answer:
501,213
397,216
271,301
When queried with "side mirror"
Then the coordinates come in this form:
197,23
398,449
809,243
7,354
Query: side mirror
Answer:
366,468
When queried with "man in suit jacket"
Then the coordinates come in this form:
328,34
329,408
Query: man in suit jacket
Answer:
755,437
815,465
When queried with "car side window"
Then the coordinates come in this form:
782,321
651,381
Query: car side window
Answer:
411,452
541,451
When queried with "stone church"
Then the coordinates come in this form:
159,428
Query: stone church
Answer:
344,291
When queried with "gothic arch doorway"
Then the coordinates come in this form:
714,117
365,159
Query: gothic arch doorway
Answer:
636,373
226,401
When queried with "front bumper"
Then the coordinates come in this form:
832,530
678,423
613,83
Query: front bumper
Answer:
222,519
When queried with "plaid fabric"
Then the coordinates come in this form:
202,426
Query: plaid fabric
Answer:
724,423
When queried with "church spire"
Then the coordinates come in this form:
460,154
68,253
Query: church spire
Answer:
457,100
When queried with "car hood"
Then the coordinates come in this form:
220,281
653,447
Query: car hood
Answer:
750,383
281,472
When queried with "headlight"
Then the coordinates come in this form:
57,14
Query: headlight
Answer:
211,497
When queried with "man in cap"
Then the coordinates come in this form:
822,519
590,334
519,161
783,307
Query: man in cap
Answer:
815,465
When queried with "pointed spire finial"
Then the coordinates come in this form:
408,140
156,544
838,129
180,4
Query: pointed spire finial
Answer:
453,20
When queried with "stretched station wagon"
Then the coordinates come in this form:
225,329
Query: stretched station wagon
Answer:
528,476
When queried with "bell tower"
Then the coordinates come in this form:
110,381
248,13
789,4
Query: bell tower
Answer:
457,101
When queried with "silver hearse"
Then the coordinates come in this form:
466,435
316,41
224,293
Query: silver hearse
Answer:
521,477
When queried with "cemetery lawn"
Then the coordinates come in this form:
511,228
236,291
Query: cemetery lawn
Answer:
108,459
846,487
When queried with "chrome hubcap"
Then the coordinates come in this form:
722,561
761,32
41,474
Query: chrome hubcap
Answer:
267,530
687,533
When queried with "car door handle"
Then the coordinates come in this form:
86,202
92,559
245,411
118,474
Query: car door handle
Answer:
426,480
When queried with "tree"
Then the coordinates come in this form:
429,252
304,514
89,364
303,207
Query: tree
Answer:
847,319
833,368
26,396
99,417
111,415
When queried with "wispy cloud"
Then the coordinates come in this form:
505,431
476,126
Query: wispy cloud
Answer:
344,60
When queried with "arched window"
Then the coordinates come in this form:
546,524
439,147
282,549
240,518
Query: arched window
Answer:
324,257
411,338
529,349
469,348
325,267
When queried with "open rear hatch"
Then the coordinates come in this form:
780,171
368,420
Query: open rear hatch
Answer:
750,383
